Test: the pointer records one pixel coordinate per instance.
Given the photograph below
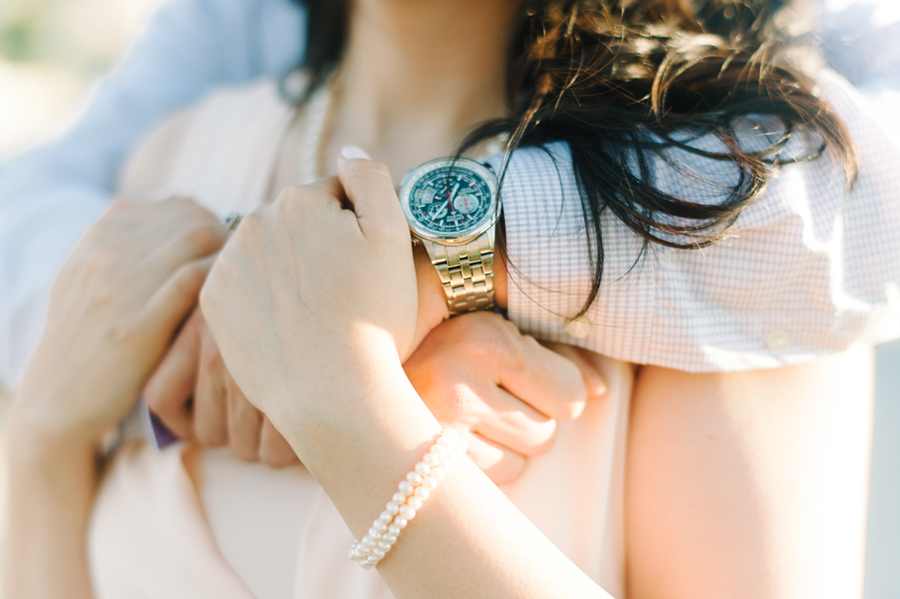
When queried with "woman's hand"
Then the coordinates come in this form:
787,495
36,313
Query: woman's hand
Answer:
315,295
502,390
197,399
312,307
114,307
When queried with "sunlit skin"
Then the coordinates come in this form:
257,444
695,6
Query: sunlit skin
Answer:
738,484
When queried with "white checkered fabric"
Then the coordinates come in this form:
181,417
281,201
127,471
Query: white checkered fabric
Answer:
808,269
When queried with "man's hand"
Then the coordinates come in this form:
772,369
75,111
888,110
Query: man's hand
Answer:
196,398
503,390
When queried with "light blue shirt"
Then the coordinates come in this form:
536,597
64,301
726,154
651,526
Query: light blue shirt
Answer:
50,195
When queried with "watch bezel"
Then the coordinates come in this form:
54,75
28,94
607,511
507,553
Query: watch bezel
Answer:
466,235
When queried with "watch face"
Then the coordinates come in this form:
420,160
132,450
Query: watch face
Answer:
446,200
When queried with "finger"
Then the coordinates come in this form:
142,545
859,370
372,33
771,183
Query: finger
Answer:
540,377
244,422
145,227
327,190
594,382
169,305
210,396
171,388
370,189
274,450
511,423
501,464
202,237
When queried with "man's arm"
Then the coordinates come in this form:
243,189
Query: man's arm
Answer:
50,195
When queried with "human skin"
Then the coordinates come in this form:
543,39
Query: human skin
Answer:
415,79
743,484
114,308
683,564
502,390
739,472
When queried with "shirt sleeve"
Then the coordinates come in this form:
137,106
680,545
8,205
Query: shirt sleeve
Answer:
49,195
808,269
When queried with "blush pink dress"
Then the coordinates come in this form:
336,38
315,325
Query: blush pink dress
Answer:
192,523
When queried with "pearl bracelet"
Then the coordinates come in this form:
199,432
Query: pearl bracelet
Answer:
411,492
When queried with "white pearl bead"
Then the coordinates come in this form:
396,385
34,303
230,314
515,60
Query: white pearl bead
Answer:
385,517
384,547
368,541
406,488
423,492
446,463
437,473
407,512
431,459
394,530
375,533
415,478
367,565
377,553
440,451
389,539
430,483
363,549
392,507
398,498
443,442
380,526
450,433
423,469
400,522
413,502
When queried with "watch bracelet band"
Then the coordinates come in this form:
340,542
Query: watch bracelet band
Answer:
466,273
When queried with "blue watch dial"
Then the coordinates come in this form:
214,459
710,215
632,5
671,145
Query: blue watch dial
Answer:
449,199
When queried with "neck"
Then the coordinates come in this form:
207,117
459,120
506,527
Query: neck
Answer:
418,74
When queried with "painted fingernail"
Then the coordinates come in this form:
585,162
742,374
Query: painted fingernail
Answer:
354,153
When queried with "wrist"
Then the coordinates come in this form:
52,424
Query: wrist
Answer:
371,401
431,293
433,307
36,440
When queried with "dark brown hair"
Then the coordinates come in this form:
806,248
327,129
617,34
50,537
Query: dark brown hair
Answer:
625,81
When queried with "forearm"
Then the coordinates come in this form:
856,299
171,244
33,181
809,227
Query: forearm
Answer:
468,540
50,498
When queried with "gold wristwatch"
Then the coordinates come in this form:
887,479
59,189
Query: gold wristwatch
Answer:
452,209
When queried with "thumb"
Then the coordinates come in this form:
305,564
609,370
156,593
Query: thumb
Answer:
370,189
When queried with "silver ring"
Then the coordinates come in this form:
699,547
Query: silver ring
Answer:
233,220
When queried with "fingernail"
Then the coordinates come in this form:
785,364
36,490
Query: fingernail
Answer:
354,153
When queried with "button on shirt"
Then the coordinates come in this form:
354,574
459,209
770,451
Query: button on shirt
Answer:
50,195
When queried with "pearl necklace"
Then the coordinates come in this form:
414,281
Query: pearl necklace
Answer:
318,117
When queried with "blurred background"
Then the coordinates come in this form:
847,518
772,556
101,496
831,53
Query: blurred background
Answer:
51,53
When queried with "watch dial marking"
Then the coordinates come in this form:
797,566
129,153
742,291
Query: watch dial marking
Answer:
449,200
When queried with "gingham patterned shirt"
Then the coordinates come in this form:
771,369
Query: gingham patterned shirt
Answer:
807,270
